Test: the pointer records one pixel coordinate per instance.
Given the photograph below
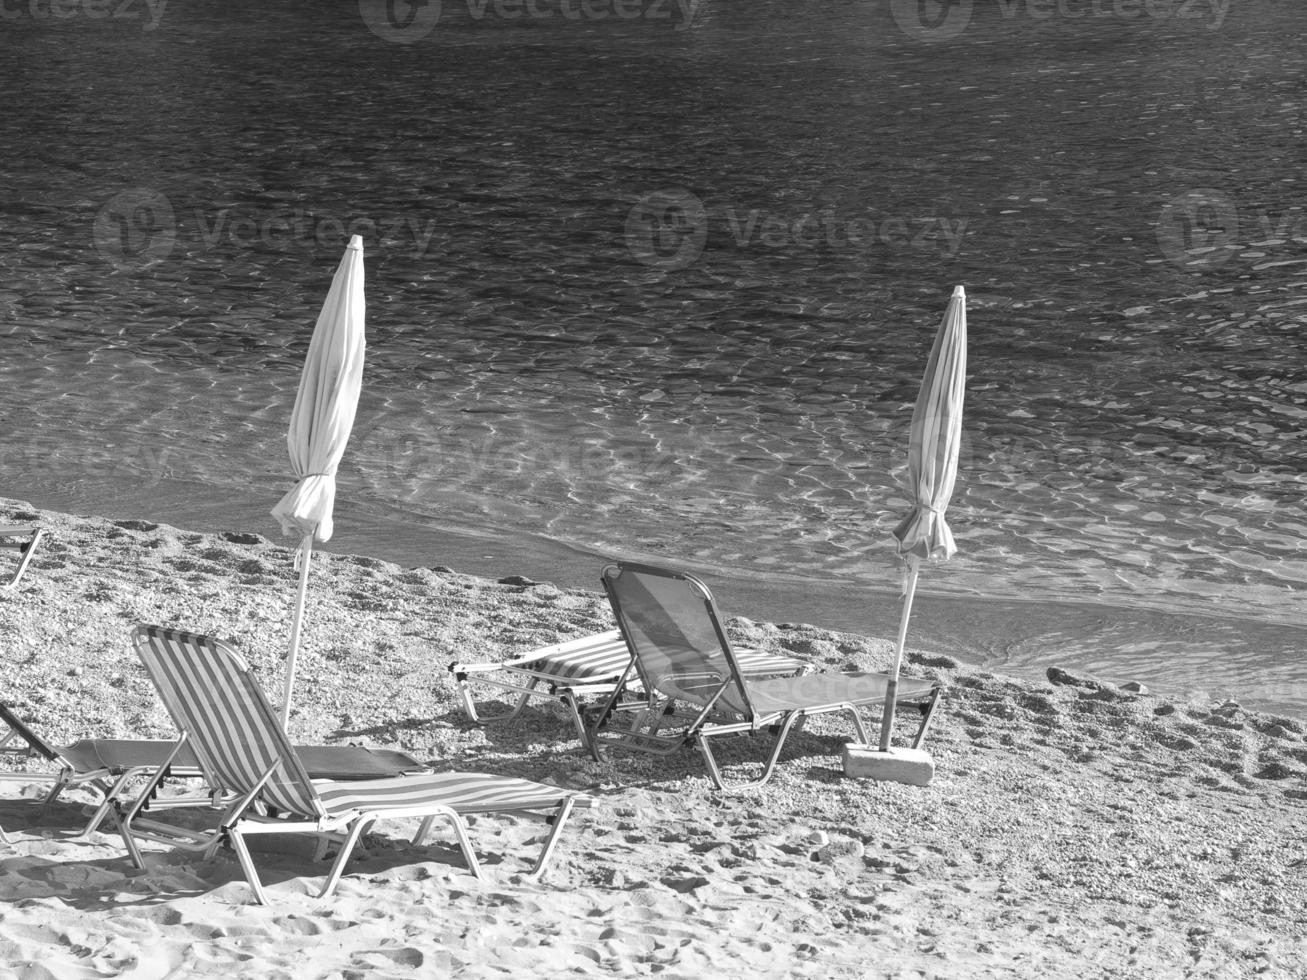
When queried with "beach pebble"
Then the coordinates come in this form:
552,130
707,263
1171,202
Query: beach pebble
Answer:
243,537
933,660
136,525
1056,675
685,885
841,851
521,580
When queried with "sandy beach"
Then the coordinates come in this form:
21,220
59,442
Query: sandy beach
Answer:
1073,829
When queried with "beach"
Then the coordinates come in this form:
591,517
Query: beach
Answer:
1073,827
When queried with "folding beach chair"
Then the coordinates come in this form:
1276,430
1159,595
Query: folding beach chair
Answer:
695,690
24,537
108,765
583,668
226,719
104,766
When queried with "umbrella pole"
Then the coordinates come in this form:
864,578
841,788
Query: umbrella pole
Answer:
305,555
892,689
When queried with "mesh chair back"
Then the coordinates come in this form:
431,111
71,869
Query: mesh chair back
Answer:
234,732
672,625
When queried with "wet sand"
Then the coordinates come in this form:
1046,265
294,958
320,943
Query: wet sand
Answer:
1074,828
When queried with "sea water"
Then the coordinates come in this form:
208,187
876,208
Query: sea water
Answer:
658,279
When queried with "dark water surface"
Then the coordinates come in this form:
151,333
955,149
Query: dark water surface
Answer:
662,283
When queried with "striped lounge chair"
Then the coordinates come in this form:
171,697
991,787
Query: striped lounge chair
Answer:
108,765
696,690
582,668
226,719
24,537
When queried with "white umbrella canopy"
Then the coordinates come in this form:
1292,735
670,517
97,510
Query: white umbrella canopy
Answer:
934,442
320,425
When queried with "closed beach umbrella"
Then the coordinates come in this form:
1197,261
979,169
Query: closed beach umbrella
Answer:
935,439
319,427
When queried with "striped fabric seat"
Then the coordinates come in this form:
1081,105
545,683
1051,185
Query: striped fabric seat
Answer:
590,666
696,685
603,658
227,722
591,658
462,792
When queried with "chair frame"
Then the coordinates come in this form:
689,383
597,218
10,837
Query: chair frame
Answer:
32,533
108,781
141,757
249,812
551,671
649,717
544,672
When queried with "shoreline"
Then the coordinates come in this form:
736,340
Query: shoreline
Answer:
1073,828
1189,651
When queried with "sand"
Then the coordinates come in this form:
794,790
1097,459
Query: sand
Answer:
1073,828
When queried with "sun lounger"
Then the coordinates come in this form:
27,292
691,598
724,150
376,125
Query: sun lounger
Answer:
589,667
694,688
226,719
107,766
24,537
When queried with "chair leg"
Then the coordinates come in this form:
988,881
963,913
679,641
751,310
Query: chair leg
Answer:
423,829
322,847
25,551
109,798
469,706
356,830
460,834
465,844
125,820
574,708
859,728
211,851
928,715
793,718
59,786
557,819
247,865
714,773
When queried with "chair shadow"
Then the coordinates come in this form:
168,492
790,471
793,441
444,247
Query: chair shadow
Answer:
542,722
522,735
739,756
47,858
387,733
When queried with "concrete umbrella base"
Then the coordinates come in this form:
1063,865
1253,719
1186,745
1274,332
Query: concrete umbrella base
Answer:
899,765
